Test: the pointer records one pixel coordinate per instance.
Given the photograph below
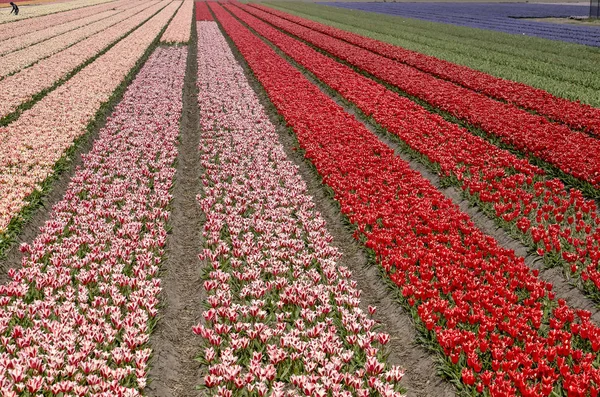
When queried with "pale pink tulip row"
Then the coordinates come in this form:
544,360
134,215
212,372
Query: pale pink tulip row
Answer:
18,60
38,35
75,317
33,11
180,27
19,28
23,85
38,138
284,317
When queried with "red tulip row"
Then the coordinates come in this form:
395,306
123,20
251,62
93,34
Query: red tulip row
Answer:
573,152
573,114
560,224
202,12
494,319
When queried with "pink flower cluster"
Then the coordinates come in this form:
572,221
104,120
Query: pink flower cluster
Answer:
283,317
180,27
27,12
34,142
75,318
38,35
22,86
24,57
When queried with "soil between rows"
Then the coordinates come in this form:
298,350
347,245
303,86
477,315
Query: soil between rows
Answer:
421,378
173,369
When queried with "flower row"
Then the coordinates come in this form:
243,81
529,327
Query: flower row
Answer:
498,325
20,28
284,316
508,18
573,152
202,12
38,35
573,114
560,224
75,318
18,60
38,138
25,84
181,26
28,12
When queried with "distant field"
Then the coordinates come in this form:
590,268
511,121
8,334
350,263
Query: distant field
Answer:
446,1
564,69
36,8
6,3
508,18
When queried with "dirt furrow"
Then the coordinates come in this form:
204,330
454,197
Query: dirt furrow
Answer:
174,371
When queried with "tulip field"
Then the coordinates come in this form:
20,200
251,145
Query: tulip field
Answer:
270,199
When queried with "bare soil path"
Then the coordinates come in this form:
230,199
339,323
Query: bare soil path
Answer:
174,371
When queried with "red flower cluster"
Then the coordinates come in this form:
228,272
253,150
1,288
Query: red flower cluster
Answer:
573,152
561,224
490,314
202,12
573,114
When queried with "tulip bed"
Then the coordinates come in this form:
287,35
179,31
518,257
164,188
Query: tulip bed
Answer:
497,324
44,34
563,69
19,60
75,318
573,114
556,222
38,139
559,223
202,12
283,316
45,9
19,28
180,27
573,152
23,86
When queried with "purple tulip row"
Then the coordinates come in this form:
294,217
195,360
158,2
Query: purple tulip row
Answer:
500,17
